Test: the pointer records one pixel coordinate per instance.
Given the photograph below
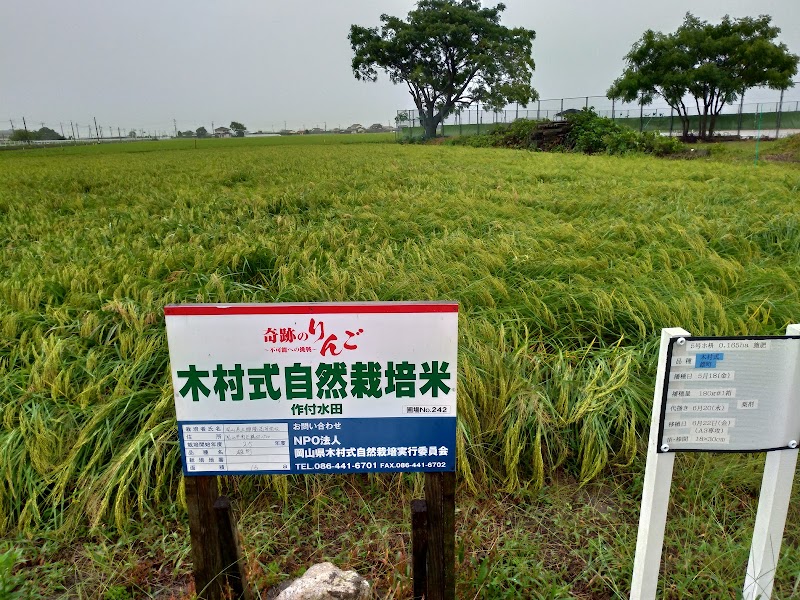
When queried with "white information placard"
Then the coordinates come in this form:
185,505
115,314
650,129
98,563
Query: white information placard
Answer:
315,388
738,394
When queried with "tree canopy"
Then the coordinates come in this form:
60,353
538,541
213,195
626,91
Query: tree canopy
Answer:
238,128
712,64
45,133
449,53
201,132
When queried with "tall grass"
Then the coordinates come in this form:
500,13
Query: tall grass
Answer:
566,268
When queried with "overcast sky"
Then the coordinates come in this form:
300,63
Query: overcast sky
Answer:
144,63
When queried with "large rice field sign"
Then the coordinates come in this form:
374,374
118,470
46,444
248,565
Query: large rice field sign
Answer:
314,388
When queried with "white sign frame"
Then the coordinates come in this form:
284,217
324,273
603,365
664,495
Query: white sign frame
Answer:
773,504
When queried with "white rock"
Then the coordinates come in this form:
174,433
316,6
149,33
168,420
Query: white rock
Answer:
327,582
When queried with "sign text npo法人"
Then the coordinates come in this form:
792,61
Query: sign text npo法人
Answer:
315,388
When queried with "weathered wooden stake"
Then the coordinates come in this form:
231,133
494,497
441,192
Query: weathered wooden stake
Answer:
201,493
233,564
440,500
419,548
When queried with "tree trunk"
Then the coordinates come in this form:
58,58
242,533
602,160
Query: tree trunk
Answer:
712,125
430,122
704,124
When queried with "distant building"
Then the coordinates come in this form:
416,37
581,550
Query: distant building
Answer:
356,128
222,132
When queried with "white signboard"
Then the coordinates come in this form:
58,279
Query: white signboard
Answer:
731,394
314,388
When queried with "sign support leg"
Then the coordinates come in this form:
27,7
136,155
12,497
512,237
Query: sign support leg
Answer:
419,548
655,495
207,566
440,501
773,505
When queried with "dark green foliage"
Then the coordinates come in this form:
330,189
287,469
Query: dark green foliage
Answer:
593,134
450,53
714,64
590,134
518,134
45,133
10,582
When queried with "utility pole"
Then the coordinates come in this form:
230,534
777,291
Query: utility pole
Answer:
62,130
12,125
73,131
119,132
175,124
96,130
24,124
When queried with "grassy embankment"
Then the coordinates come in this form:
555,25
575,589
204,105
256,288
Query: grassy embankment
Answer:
565,266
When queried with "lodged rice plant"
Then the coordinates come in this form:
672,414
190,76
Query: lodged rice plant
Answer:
566,268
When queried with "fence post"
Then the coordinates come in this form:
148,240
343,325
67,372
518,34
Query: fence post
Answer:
562,108
778,124
538,108
641,115
613,108
587,102
741,110
671,119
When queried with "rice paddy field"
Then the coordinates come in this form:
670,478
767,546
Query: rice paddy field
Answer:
565,266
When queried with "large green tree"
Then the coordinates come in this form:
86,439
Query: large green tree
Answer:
449,53
710,64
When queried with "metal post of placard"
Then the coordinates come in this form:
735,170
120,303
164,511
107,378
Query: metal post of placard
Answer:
773,506
655,494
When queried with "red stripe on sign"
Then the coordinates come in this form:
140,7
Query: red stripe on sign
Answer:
304,309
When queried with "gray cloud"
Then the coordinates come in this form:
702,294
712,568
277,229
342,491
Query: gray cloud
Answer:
141,64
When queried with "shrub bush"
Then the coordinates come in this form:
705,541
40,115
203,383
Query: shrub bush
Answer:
590,134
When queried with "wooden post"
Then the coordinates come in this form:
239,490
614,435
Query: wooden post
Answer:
440,500
655,493
419,548
233,564
773,506
201,493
